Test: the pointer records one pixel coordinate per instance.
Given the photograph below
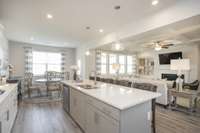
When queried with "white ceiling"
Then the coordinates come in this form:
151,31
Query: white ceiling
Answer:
24,19
186,32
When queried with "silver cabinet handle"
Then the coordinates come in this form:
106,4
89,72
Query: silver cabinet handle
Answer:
89,101
108,112
0,127
8,115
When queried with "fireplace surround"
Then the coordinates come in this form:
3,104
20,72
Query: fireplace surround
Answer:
170,77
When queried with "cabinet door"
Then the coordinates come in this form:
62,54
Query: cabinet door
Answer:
1,124
77,109
12,108
90,124
98,122
4,122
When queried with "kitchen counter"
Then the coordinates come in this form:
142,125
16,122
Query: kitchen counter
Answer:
117,96
8,107
7,88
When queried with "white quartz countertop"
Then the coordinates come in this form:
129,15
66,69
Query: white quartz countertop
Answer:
117,96
8,88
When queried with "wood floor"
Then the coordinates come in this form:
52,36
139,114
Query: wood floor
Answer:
43,118
168,121
50,118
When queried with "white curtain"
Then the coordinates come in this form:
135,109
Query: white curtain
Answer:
98,61
63,58
28,58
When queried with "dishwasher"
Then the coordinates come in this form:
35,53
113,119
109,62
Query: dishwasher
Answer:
66,98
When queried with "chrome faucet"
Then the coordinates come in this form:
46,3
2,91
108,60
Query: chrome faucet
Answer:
95,77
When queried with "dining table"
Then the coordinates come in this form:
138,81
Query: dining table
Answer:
44,80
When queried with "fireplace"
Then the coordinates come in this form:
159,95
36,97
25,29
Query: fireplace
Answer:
170,77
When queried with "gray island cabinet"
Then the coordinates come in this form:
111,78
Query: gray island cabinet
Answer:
110,108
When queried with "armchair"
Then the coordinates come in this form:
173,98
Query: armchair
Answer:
192,86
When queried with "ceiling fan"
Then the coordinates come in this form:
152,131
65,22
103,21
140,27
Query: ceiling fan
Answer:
158,45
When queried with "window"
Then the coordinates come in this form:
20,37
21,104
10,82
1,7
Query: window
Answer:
79,66
112,60
103,63
122,63
129,64
45,61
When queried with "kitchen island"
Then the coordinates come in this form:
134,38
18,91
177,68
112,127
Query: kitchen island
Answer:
108,108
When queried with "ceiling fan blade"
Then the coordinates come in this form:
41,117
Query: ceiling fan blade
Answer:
148,45
166,47
172,42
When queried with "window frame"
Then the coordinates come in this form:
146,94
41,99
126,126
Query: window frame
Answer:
126,64
106,55
46,62
109,64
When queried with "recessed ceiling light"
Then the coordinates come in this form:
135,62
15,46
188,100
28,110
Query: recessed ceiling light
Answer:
117,46
155,2
87,28
87,53
117,7
101,30
32,38
49,16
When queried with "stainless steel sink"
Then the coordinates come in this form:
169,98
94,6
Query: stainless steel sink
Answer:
1,92
86,86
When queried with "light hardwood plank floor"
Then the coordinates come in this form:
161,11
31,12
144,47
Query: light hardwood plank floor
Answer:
168,121
51,118
43,118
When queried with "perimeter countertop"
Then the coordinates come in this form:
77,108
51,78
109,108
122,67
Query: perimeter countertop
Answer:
117,96
7,88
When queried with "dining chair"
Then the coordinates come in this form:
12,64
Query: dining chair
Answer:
28,83
53,86
124,83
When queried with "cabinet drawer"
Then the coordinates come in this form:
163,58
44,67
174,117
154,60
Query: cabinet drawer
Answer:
107,109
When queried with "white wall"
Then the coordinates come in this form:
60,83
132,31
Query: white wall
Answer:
80,56
3,52
189,51
16,55
90,63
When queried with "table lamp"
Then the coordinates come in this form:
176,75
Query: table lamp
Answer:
116,67
180,65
